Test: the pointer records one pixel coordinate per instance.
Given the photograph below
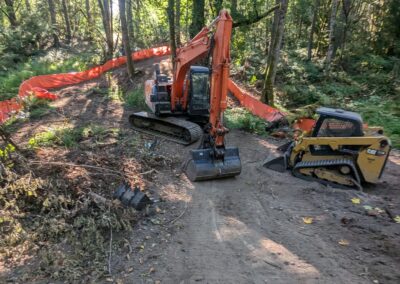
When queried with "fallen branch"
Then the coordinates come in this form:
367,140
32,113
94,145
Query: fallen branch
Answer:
76,165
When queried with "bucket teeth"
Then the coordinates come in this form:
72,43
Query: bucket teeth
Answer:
203,166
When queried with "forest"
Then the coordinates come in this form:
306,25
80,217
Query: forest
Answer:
331,53
294,55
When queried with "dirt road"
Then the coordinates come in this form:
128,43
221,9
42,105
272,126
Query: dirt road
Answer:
250,229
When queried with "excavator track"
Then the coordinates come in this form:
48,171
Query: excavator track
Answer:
171,128
328,165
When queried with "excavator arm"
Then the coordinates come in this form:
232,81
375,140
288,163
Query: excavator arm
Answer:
214,39
213,159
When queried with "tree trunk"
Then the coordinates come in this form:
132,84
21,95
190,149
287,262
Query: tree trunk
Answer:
52,10
106,19
28,6
346,13
332,23
129,15
267,95
178,23
171,21
197,17
67,21
125,38
312,30
10,13
89,19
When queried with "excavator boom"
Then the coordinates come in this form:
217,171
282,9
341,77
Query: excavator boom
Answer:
196,92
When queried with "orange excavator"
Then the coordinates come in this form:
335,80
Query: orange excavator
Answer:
195,93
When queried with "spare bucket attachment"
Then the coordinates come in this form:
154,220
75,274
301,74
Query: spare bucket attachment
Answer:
135,198
203,165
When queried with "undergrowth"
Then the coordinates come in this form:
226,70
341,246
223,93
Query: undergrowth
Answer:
69,136
240,118
54,61
66,230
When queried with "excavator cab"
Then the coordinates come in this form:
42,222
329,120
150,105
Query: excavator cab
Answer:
199,90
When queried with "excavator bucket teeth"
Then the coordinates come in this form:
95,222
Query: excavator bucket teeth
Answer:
203,166
278,164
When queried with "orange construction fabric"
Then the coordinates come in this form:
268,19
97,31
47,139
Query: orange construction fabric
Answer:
39,86
252,104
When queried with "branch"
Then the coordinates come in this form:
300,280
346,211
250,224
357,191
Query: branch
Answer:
250,21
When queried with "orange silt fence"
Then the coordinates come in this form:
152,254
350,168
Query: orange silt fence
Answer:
254,105
38,86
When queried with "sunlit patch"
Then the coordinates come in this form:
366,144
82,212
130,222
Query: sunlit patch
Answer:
395,160
263,251
287,260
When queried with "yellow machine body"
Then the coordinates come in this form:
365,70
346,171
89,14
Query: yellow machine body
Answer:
340,152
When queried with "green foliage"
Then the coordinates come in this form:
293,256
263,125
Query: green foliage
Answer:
66,136
55,61
38,108
240,118
135,99
16,44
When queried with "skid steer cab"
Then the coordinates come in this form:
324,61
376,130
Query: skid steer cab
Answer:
340,152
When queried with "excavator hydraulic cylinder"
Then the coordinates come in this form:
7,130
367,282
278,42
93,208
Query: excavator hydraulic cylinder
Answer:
203,165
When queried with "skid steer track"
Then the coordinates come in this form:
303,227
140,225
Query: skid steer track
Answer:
171,128
328,164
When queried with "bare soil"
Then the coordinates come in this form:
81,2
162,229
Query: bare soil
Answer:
248,229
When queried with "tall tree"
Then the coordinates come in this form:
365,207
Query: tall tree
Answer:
178,22
129,15
267,94
28,5
106,16
171,21
197,17
89,19
125,38
312,30
10,13
332,24
67,21
53,21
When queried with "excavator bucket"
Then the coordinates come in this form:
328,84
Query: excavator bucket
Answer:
203,166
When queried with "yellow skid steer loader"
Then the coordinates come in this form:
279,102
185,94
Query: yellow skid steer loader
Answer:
339,152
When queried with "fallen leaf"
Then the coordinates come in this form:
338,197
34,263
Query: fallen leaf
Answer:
367,207
308,220
355,200
397,219
151,270
344,242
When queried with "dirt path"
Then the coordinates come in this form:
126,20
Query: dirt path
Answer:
249,229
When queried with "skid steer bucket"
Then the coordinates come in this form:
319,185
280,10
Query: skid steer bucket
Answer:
277,164
203,166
